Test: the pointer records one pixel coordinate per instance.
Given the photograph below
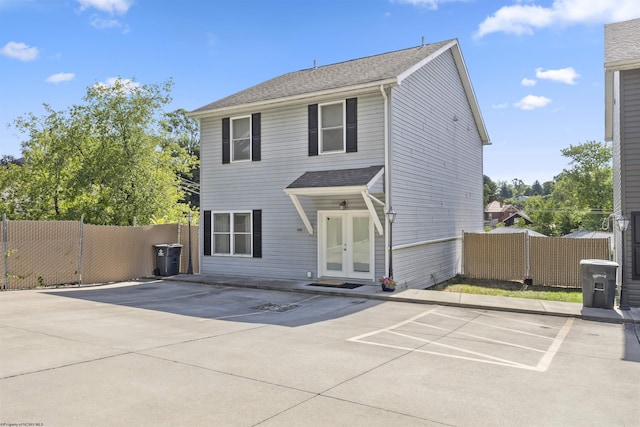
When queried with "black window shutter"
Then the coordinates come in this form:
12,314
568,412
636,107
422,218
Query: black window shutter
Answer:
226,140
313,129
352,125
255,137
207,233
257,233
635,246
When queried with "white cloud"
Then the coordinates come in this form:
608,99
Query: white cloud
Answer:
563,75
60,77
531,102
114,7
500,106
429,4
522,19
126,85
21,51
102,24
528,82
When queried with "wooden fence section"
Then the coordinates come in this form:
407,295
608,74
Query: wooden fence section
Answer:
555,261
494,256
49,253
546,261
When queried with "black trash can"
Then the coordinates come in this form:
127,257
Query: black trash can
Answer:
167,259
598,282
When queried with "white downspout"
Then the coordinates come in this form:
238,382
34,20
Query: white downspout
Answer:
387,180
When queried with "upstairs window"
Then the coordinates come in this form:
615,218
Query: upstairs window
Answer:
241,139
333,127
332,130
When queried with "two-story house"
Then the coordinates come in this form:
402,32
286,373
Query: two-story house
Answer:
496,212
298,173
622,127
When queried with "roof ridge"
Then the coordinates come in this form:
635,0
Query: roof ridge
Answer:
443,42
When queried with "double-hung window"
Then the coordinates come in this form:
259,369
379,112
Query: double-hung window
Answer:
241,139
332,129
232,233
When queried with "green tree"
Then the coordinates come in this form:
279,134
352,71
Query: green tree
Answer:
541,211
547,187
490,190
536,189
105,159
581,196
505,190
181,134
586,189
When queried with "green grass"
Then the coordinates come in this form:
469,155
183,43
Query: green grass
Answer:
509,289
571,296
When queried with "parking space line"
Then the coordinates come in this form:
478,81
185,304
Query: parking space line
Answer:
484,338
542,365
368,334
502,328
526,322
545,362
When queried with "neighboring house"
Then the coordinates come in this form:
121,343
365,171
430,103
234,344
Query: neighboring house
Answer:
622,126
511,219
298,172
496,212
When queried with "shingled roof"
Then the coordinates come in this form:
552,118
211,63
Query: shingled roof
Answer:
368,70
336,178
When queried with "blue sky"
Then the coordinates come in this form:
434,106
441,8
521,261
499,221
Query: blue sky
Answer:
536,65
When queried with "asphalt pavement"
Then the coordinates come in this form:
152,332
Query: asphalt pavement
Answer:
173,352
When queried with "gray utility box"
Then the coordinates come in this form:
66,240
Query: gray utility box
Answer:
167,259
598,282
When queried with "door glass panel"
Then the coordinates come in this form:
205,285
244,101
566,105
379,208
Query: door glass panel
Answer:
361,247
334,244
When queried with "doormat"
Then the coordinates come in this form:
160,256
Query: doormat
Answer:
339,285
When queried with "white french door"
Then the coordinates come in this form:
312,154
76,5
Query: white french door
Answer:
345,244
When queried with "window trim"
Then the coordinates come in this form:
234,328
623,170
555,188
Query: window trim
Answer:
231,234
232,139
321,129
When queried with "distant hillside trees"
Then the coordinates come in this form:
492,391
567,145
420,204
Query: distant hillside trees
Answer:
112,158
579,197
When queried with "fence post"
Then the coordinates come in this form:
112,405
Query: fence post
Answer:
527,256
80,250
462,256
5,247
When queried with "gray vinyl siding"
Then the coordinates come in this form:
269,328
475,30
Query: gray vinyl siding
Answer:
630,159
436,172
288,250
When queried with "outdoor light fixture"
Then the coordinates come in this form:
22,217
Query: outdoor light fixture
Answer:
623,224
190,267
391,216
343,205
